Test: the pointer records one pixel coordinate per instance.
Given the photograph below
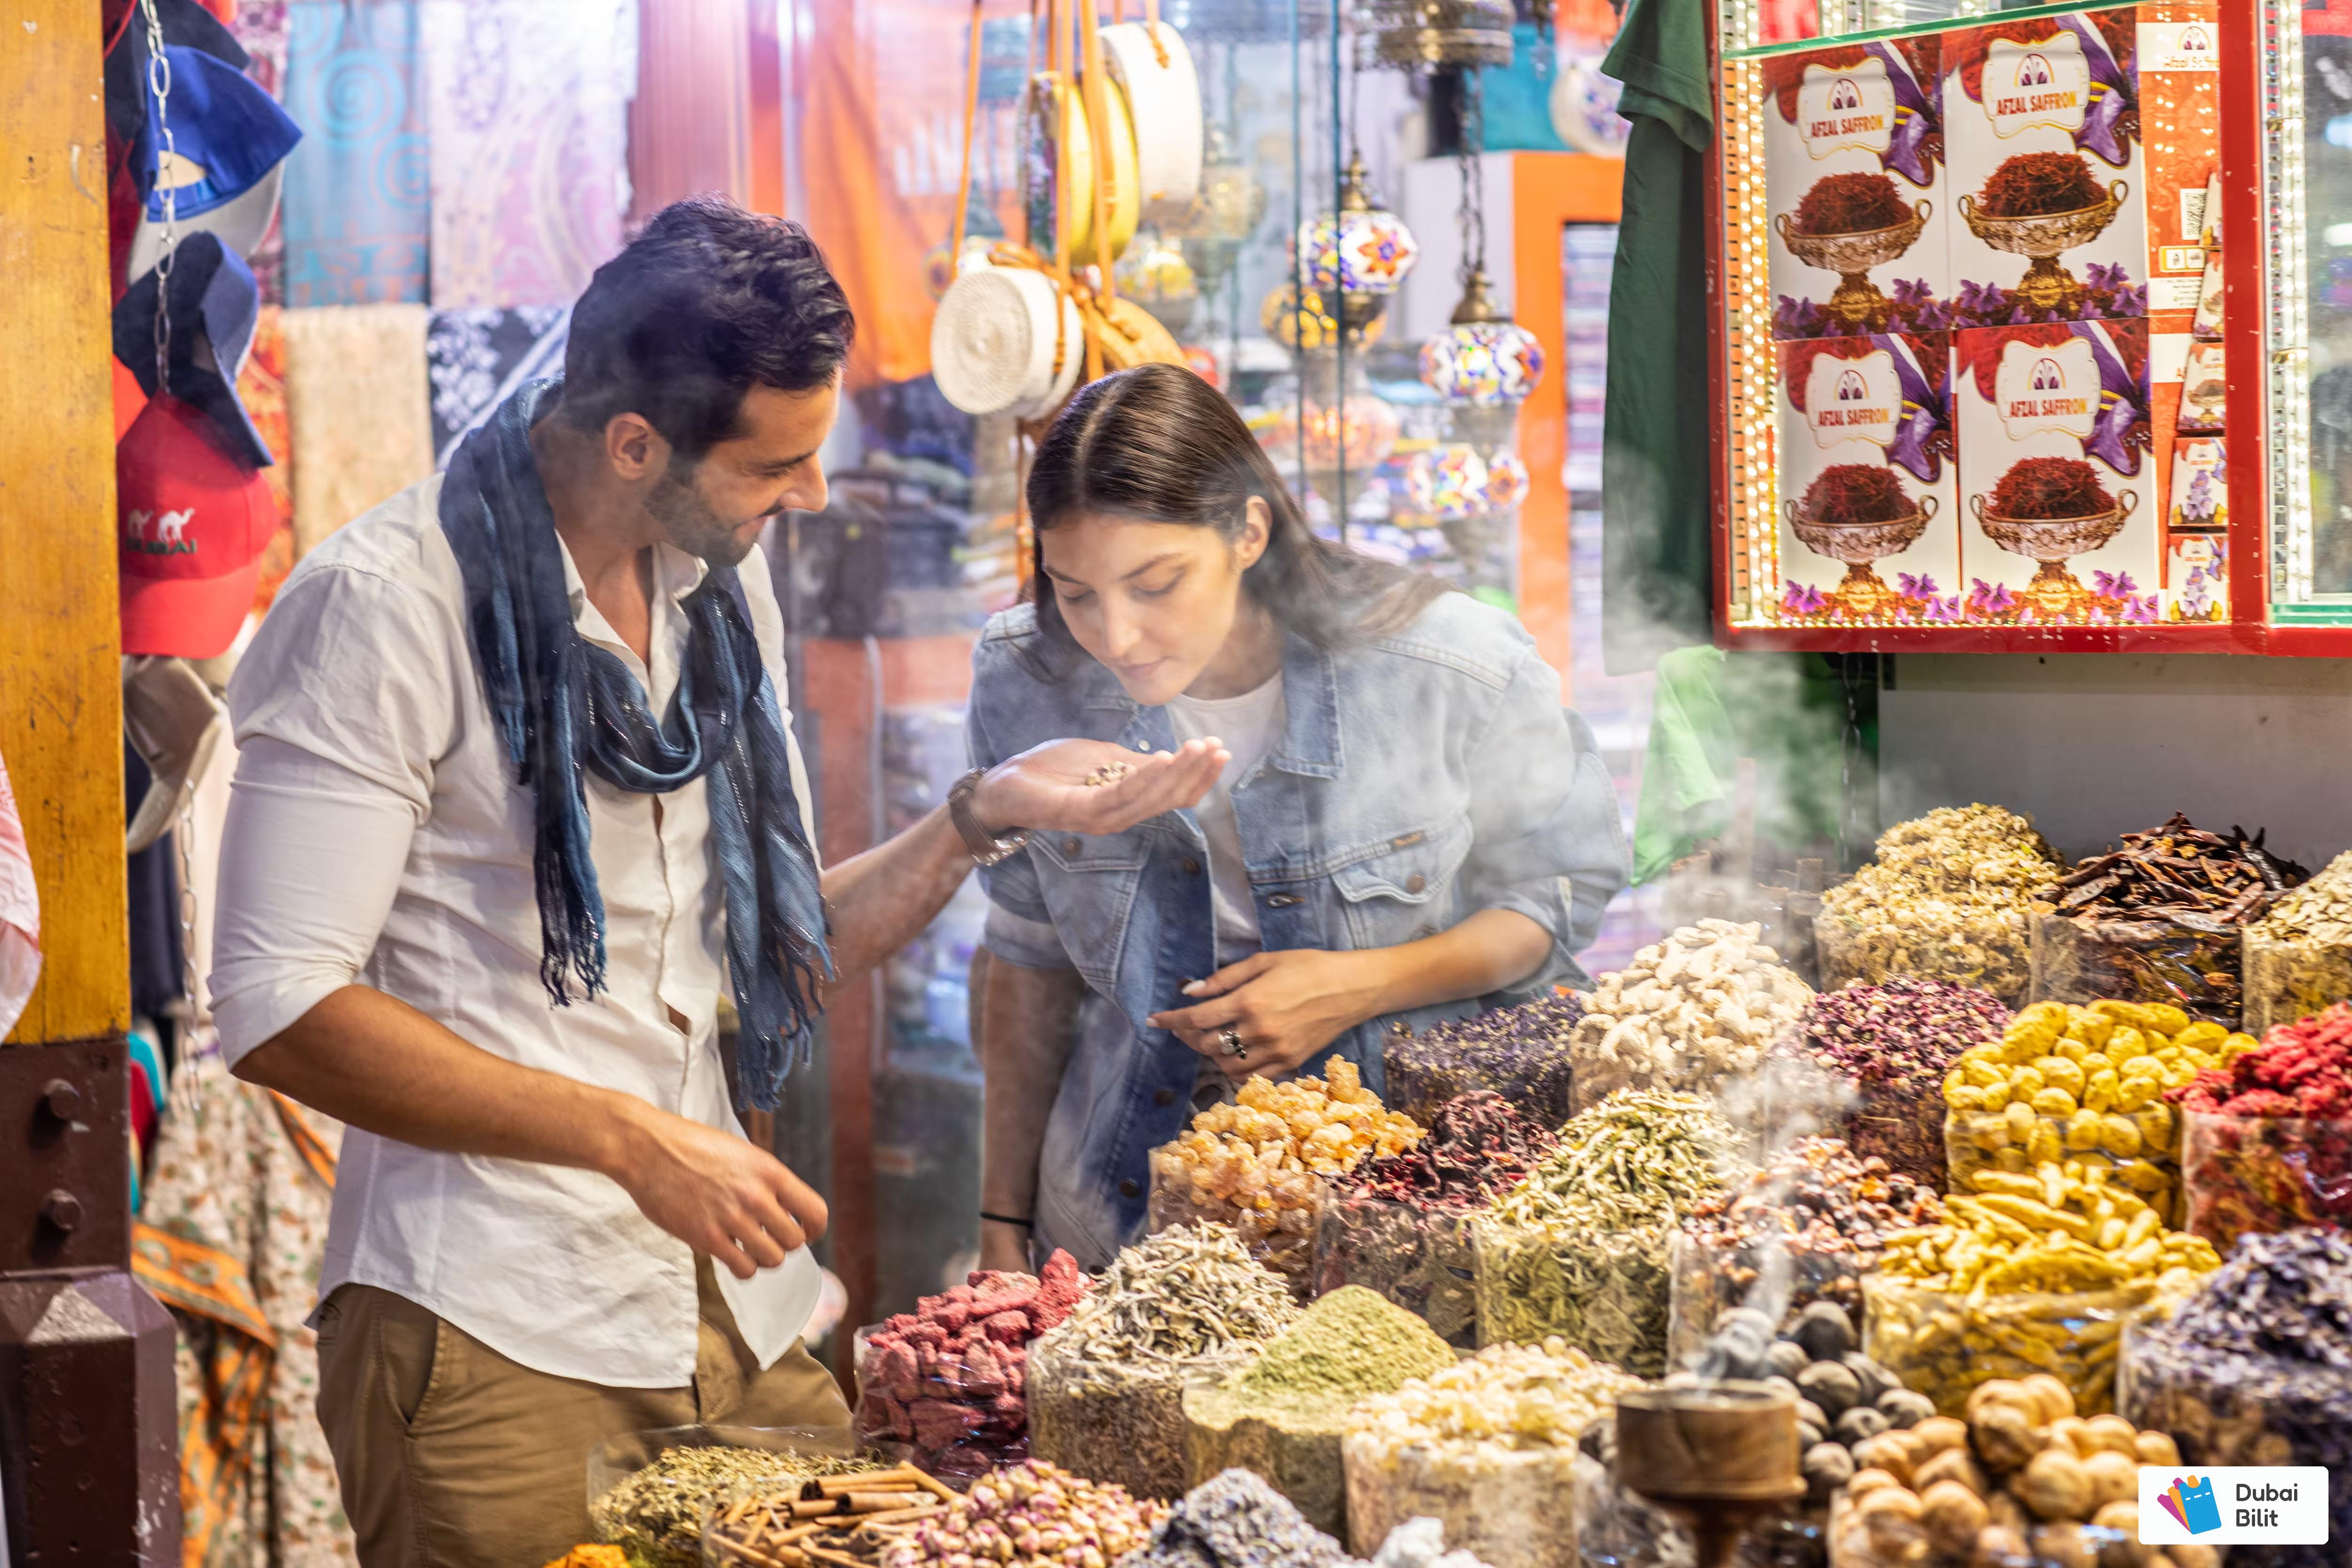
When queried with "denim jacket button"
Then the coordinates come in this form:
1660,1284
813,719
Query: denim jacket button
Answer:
1163,1097
1128,1189
1069,846
1415,883
1191,866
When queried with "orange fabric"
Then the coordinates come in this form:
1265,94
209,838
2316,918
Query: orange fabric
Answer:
129,399
261,387
879,164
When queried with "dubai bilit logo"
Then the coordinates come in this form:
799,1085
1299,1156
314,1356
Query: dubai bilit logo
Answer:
2189,1500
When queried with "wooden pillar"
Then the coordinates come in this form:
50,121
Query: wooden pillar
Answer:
86,1416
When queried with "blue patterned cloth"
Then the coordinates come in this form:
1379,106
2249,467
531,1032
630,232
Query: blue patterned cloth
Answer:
478,357
357,212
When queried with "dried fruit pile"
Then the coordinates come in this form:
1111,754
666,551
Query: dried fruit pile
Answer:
1259,1164
2022,1479
1945,899
949,1377
2267,1140
1890,1045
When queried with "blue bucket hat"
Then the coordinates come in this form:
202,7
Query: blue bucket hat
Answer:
213,296
222,122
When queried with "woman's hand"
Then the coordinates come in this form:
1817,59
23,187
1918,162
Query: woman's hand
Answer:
1045,788
1284,1006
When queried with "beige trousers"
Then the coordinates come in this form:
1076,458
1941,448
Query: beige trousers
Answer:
451,1456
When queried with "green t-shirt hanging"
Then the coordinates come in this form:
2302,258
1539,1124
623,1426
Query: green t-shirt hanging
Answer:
1657,548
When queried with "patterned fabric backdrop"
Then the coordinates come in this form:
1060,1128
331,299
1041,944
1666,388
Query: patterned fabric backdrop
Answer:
356,214
260,26
527,110
356,396
261,387
477,358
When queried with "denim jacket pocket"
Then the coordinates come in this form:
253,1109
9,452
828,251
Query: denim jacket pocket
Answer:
1401,888
1090,885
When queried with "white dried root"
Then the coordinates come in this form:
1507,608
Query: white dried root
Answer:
1701,1005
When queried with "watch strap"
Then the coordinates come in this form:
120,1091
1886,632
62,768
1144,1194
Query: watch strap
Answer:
986,848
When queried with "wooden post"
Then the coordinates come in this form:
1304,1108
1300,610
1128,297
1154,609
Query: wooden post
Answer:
87,1455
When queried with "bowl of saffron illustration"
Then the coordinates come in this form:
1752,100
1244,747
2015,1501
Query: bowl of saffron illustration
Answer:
1848,224
2050,510
1858,513
2041,205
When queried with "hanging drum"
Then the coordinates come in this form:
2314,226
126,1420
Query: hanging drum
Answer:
1421,34
1151,65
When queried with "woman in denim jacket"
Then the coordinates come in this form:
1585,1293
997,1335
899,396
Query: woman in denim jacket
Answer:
1408,829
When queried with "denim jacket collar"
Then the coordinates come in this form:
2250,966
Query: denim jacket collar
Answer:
1310,694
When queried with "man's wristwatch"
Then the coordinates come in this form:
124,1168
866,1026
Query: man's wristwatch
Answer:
986,847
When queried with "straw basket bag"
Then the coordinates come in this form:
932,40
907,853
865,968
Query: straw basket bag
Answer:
1151,65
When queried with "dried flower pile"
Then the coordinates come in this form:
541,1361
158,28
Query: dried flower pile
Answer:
2267,1144
2298,957
656,1513
1032,1515
2035,184
1887,1049
1520,1053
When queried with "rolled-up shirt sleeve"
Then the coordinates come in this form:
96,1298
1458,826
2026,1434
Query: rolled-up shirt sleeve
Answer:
342,705
1548,841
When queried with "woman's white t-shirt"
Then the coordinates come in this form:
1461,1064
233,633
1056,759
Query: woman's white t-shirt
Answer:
1248,725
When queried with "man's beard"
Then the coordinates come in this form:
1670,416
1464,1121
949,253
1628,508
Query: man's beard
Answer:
691,525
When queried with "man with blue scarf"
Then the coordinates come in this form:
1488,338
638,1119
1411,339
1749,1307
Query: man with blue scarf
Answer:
517,796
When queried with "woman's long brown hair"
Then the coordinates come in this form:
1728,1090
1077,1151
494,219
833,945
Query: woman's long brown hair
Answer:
1158,443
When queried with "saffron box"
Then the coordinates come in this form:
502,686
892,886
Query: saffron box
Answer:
1868,524
1853,176
2080,147
2060,480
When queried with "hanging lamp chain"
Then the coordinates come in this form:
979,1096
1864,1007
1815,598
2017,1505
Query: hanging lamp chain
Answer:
158,89
1468,147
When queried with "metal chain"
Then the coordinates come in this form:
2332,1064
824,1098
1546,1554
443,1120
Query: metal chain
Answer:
158,89
1469,144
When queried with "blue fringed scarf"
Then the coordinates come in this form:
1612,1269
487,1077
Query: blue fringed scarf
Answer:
563,705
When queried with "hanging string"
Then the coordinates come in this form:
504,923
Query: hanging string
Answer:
1472,143
971,120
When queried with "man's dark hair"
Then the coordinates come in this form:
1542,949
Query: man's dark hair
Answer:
709,301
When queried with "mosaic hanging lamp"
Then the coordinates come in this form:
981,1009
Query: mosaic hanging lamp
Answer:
1485,360
1361,253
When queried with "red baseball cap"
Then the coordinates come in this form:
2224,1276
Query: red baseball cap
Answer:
195,523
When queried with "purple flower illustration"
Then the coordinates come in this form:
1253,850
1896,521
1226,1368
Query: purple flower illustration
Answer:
1793,317
1987,602
1943,612
2140,611
2197,595
2114,585
1919,587
1800,600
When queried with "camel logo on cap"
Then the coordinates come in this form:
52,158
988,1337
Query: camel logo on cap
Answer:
168,528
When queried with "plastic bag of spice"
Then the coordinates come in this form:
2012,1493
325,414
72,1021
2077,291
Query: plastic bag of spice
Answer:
1117,1424
1712,1277
2142,1156
2288,977
956,1415
1987,948
1423,1259
1520,1053
2263,1173
2255,1368
2080,959
1511,1508
1943,1343
1605,1293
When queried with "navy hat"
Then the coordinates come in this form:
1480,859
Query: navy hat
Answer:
214,307
184,22
227,135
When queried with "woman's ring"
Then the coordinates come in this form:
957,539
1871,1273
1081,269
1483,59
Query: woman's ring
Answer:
1230,1038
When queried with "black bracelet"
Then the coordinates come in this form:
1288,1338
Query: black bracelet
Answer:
1008,1219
